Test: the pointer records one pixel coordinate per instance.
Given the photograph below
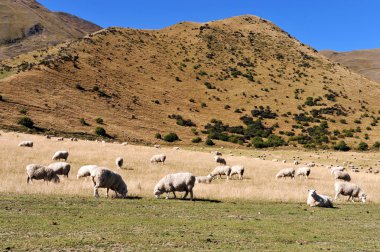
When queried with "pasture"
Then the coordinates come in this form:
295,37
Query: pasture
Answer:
257,213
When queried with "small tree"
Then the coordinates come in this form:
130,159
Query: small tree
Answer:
100,131
26,121
196,140
158,136
363,146
209,142
341,146
99,120
171,137
376,145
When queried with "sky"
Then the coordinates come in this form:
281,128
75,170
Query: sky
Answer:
340,25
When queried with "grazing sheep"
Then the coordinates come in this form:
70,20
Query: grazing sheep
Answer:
104,178
159,158
342,175
284,161
61,155
204,179
60,139
349,189
38,172
287,172
124,143
176,182
296,162
220,160
303,171
315,200
176,148
48,137
74,139
334,169
216,153
85,171
60,168
237,169
157,146
119,162
311,164
26,144
221,170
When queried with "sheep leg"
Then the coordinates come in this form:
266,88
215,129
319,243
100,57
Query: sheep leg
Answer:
336,196
96,193
191,194
167,195
93,181
186,193
175,196
107,192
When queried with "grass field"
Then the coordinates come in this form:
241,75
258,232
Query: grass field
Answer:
259,213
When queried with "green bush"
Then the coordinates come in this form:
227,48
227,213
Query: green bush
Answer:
100,131
83,122
196,140
376,145
341,146
99,120
209,142
363,146
158,136
171,137
26,121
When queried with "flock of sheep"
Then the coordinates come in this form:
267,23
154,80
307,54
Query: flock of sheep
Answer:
103,177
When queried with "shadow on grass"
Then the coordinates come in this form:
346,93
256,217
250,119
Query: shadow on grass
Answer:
134,198
197,200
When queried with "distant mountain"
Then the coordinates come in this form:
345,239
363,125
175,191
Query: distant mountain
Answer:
213,79
365,62
26,25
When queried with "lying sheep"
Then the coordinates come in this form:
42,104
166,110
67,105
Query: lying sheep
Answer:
221,170
26,144
204,179
159,158
119,162
349,189
237,169
104,178
334,169
176,182
287,172
157,146
303,171
60,168
311,164
61,155
315,200
38,172
342,175
85,171
220,160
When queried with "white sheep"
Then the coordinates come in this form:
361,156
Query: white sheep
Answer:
38,172
284,161
176,182
221,170
237,169
85,171
26,144
342,175
204,179
220,160
60,155
159,158
296,162
311,164
316,200
216,153
303,171
287,172
334,169
119,162
60,168
349,189
157,146
104,178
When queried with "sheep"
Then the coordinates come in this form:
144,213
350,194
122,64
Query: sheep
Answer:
85,171
221,170
26,144
158,158
334,169
102,177
296,162
311,164
284,161
237,169
176,148
38,172
119,162
124,143
303,171
157,146
342,175
176,182
216,153
287,172
74,139
60,168
204,179
60,155
316,200
220,160
60,139
349,189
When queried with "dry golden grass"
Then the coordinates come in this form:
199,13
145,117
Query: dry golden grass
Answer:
141,176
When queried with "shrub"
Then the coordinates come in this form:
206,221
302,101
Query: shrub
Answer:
363,146
203,105
99,120
178,79
79,87
83,122
376,145
196,140
194,131
158,136
26,121
258,142
209,85
100,131
23,111
1,98
341,146
171,137
209,142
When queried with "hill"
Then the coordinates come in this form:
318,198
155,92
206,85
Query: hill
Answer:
26,25
237,80
365,62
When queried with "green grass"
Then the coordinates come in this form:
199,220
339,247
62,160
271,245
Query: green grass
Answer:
6,74
37,222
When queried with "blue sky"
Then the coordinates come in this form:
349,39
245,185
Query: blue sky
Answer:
341,25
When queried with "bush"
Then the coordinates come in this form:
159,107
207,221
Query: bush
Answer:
100,131
363,146
209,85
258,142
99,120
83,122
79,87
1,98
26,121
341,146
376,145
209,142
158,136
171,137
196,140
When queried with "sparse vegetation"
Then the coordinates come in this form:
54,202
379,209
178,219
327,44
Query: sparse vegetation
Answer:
363,146
157,136
26,121
99,120
100,131
341,146
196,140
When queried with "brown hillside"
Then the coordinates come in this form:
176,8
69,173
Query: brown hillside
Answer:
134,79
365,62
25,25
